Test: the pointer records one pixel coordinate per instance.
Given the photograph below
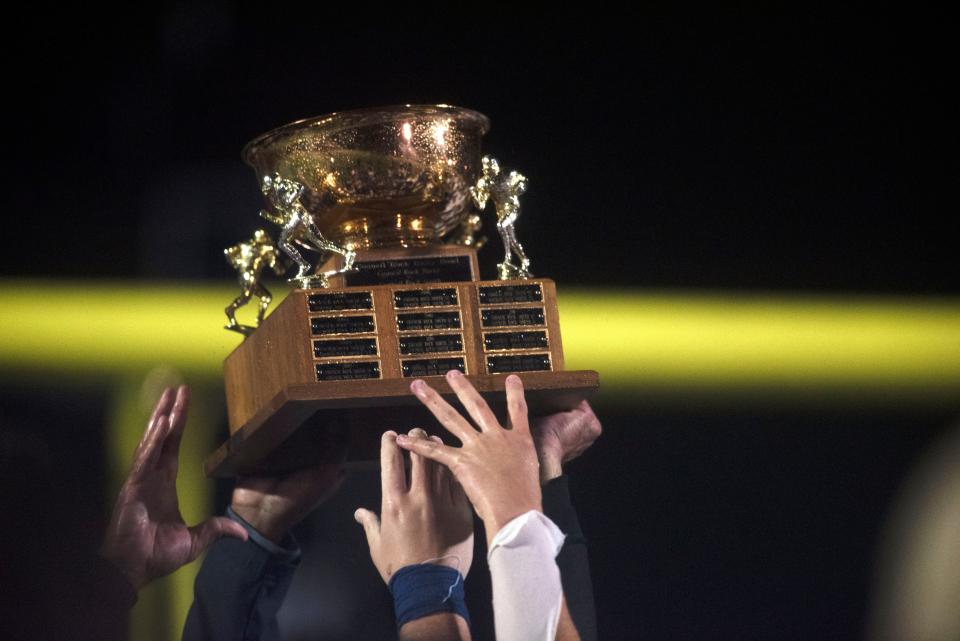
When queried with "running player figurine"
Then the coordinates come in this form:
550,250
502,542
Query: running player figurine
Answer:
297,226
504,191
249,259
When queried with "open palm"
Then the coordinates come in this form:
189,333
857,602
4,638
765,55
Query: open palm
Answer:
147,537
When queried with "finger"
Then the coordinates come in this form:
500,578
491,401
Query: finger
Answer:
392,481
441,476
420,468
371,526
149,452
163,404
516,404
160,409
204,534
443,454
443,411
178,421
476,407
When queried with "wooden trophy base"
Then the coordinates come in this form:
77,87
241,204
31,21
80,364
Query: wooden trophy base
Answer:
306,424
332,367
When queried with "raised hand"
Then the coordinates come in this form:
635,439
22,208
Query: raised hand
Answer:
147,537
497,466
429,521
564,436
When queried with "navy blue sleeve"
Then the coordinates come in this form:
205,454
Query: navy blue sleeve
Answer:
572,560
240,588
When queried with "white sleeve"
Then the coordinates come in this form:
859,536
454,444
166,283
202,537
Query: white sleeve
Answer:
527,594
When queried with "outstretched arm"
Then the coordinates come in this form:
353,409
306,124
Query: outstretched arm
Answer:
497,466
147,537
422,543
559,439
273,218
241,585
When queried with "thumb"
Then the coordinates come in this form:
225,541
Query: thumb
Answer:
204,534
371,526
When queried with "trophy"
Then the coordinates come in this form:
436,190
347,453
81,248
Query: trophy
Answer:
380,212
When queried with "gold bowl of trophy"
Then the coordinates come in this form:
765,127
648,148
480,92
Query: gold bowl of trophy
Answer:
384,177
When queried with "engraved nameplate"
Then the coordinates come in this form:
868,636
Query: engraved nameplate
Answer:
339,301
431,269
524,363
424,298
431,344
428,320
341,325
349,347
515,340
431,366
512,317
496,294
347,371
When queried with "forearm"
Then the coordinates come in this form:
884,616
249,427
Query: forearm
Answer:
442,626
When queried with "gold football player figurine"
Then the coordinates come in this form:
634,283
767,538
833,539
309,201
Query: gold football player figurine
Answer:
297,226
504,191
249,259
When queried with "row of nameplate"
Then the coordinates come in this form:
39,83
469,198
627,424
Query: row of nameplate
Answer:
432,367
431,344
420,321
436,297
417,344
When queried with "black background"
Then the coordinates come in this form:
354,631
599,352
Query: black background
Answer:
786,155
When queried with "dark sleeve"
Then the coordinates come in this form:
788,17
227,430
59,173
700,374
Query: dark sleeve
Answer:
572,560
109,592
91,600
238,592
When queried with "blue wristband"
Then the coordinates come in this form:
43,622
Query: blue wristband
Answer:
425,589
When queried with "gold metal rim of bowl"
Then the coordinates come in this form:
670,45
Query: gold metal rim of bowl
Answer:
389,112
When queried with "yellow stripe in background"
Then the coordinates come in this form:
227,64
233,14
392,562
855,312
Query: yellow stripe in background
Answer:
636,339
775,343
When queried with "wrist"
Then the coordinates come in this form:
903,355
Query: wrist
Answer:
124,566
267,524
551,466
423,591
497,522
551,462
